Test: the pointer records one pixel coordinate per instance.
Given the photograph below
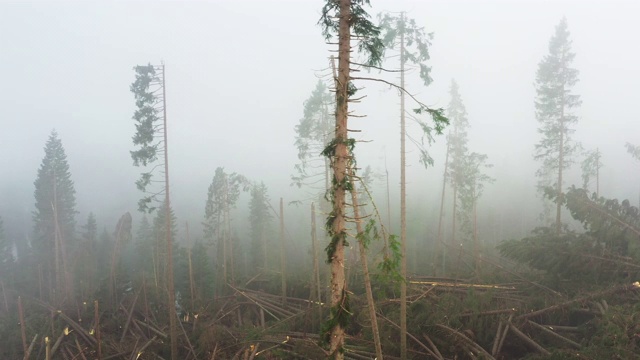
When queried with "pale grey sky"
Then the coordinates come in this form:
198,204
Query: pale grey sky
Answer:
239,71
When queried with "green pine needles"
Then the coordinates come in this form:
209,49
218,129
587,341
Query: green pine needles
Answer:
148,124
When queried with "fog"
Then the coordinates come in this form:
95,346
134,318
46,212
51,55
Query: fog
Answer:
239,72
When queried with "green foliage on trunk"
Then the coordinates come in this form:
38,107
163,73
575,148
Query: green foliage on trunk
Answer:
148,127
413,43
416,41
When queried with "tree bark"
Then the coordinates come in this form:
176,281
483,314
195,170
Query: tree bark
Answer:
283,263
173,317
316,265
365,271
403,208
340,159
441,242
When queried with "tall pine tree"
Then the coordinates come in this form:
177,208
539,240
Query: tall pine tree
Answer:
54,216
458,149
555,103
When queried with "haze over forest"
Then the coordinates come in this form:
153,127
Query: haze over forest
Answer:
237,77
534,95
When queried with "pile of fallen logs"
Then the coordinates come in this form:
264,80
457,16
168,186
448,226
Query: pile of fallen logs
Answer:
447,320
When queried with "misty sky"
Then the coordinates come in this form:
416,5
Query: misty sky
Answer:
238,73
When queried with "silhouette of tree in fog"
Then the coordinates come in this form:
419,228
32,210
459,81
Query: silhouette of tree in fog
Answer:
6,252
313,133
554,103
591,169
222,196
54,215
260,219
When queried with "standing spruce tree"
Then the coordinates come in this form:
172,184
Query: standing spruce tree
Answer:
90,229
54,217
458,149
151,137
346,19
343,18
554,103
260,219
222,196
413,43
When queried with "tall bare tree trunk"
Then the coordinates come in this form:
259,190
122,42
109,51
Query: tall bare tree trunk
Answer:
476,245
403,209
340,159
597,173
192,285
365,271
316,265
283,262
57,245
441,243
173,316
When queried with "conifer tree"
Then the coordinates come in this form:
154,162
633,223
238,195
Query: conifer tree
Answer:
343,18
458,149
6,252
260,221
555,102
90,229
151,139
413,44
222,196
348,20
54,216
313,133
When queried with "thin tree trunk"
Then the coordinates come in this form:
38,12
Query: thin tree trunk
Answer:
560,165
263,240
386,240
283,263
173,321
475,233
192,285
340,159
57,250
403,209
441,243
316,265
365,271
23,328
597,173
96,323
